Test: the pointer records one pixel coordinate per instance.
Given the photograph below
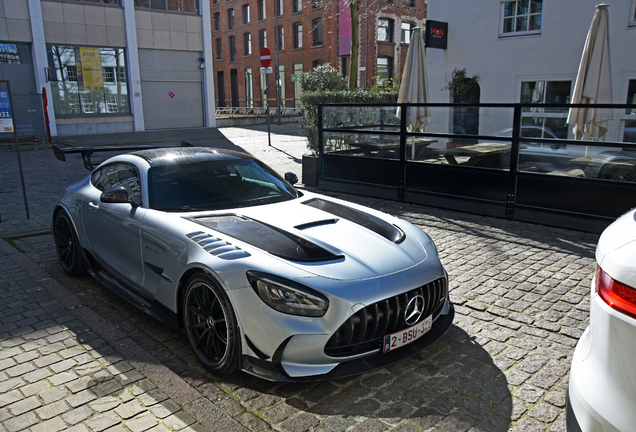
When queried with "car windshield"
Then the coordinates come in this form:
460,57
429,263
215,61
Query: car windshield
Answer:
215,185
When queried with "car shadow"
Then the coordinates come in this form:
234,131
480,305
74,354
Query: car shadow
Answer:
454,384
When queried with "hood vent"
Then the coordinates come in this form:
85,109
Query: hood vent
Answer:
375,224
217,247
266,237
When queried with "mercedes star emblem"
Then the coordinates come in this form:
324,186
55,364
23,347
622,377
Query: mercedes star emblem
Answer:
414,310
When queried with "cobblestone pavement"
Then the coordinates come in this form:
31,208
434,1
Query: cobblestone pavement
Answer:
74,356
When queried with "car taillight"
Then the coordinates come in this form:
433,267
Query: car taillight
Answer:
617,295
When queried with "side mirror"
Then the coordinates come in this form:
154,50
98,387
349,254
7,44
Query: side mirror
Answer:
291,178
117,196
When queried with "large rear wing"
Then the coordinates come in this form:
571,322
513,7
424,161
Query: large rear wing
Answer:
87,152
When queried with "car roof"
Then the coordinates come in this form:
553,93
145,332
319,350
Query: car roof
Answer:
185,155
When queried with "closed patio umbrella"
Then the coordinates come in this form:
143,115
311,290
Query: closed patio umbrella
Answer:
413,87
593,81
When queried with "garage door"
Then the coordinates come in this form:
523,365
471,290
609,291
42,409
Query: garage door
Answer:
172,90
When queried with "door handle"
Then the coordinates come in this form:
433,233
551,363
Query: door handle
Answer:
94,207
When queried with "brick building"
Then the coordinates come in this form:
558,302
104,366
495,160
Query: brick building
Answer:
309,33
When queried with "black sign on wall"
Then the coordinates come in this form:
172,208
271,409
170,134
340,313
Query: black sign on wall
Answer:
436,34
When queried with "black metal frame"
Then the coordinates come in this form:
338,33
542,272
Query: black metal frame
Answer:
586,204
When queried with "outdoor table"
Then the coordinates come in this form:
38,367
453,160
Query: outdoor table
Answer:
383,149
492,155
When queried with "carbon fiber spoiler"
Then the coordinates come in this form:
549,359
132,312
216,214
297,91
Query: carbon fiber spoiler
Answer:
60,153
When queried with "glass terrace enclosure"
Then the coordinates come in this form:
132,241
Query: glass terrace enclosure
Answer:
515,161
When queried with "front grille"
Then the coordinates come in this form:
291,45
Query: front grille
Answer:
365,330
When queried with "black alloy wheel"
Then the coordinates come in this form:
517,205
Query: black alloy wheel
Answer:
69,251
210,325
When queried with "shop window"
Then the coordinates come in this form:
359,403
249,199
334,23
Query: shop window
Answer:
552,121
88,80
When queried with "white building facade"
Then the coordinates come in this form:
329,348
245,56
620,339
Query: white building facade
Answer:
529,50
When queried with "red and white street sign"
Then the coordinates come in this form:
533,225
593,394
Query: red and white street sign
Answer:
266,57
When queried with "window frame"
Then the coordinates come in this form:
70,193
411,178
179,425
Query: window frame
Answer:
219,49
262,10
232,47
230,19
262,39
516,16
216,18
389,68
246,13
298,34
410,31
546,114
280,38
317,32
247,44
297,6
389,29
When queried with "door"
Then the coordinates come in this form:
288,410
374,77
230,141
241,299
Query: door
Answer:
234,87
172,88
221,88
113,230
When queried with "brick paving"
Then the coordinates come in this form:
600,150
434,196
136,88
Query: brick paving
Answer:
76,357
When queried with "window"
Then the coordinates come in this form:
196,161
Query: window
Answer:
629,133
217,21
297,5
521,16
166,5
317,32
246,14
298,70
230,18
384,69
317,63
553,121
316,4
261,10
262,39
118,175
264,101
108,74
409,3
249,88
407,27
219,49
71,74
232,42
215,1
385,30
247,44
281,82
88,80
298,35
16,53
279,7
281,38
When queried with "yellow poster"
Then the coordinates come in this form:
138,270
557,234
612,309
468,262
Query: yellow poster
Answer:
91,70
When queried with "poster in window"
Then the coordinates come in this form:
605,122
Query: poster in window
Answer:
89,71
6,121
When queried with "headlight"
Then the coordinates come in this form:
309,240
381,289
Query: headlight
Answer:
287,296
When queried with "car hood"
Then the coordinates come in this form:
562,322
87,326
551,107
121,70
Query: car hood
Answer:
324,237
617,247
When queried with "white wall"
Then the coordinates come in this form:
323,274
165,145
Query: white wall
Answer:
502,63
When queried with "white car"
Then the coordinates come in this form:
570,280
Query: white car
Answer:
602,388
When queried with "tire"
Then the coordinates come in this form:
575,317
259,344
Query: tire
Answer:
69,250
210,325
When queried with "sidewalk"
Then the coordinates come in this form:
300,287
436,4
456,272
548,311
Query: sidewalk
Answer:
75,357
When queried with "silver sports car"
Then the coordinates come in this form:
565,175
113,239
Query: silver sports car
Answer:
284,284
